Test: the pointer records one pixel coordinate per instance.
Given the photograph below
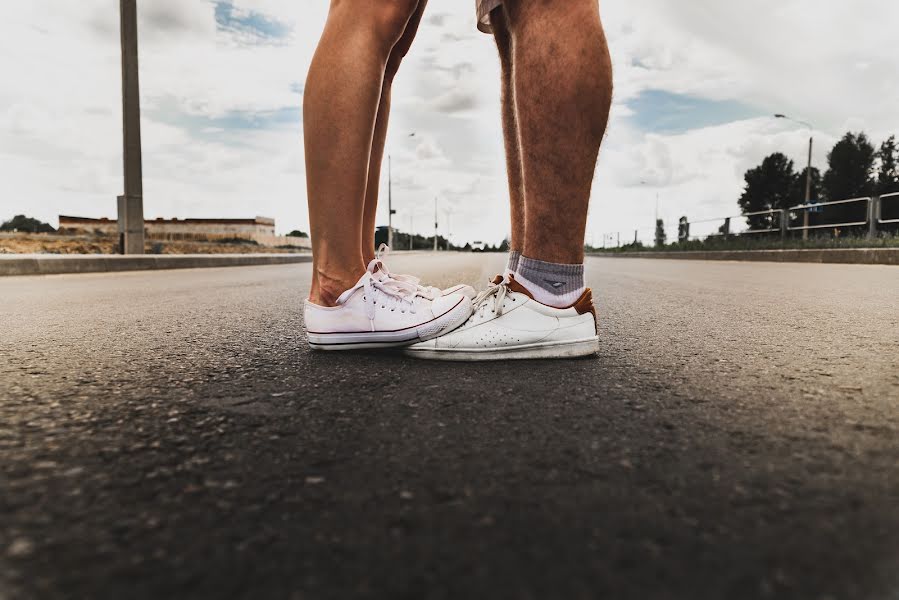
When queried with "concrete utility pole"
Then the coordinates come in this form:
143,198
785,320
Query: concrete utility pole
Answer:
808,188
131,203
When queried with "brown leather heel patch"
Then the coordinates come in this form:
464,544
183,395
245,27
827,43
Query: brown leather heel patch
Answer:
517,287
585,303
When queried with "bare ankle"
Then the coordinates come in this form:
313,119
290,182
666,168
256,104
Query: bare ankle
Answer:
327,288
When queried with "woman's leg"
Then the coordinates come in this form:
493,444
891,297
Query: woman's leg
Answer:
377,146
340,106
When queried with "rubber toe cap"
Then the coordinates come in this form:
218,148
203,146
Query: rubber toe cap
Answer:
444,304
466,290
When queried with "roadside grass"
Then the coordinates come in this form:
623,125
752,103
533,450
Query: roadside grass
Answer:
55,243
758,242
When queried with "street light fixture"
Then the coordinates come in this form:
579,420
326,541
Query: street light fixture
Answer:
808,171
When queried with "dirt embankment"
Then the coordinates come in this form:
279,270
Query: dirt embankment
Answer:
27,243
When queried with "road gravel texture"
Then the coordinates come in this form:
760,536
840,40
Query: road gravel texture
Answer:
169,435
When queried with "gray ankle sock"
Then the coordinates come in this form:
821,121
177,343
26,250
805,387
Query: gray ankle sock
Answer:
514,257
551,283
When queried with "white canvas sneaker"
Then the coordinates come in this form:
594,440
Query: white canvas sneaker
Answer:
426,291
381,312
507,323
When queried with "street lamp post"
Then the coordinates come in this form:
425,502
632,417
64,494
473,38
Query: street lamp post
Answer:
435,224
655,221
131,203
808,173
449,226
390,211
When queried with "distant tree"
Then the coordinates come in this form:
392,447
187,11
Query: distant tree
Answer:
888,179
661,238
797,192
380,236
26,224
768,186
888,173
298,233
683,230
850,174
467,247
850,168
725,227
504,246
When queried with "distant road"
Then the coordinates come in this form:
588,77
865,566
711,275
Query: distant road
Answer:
169,435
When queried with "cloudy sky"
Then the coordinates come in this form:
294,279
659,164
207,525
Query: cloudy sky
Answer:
222,82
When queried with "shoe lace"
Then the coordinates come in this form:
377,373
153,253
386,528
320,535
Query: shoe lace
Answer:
381,288
428,292
495,291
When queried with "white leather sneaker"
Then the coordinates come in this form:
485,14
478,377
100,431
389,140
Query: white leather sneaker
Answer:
381,312
426,291
507,323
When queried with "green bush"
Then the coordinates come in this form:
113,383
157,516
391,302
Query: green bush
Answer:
26,225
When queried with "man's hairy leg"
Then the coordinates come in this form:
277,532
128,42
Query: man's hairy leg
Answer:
510,136
562,78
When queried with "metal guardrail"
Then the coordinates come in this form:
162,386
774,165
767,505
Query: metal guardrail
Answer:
815,205
892,197
873,218
727,220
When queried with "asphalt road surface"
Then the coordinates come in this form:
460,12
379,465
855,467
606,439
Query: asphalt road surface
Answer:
169,435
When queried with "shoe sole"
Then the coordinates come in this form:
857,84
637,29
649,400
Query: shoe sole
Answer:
445,323
566,349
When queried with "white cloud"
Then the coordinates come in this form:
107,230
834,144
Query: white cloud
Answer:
60,115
